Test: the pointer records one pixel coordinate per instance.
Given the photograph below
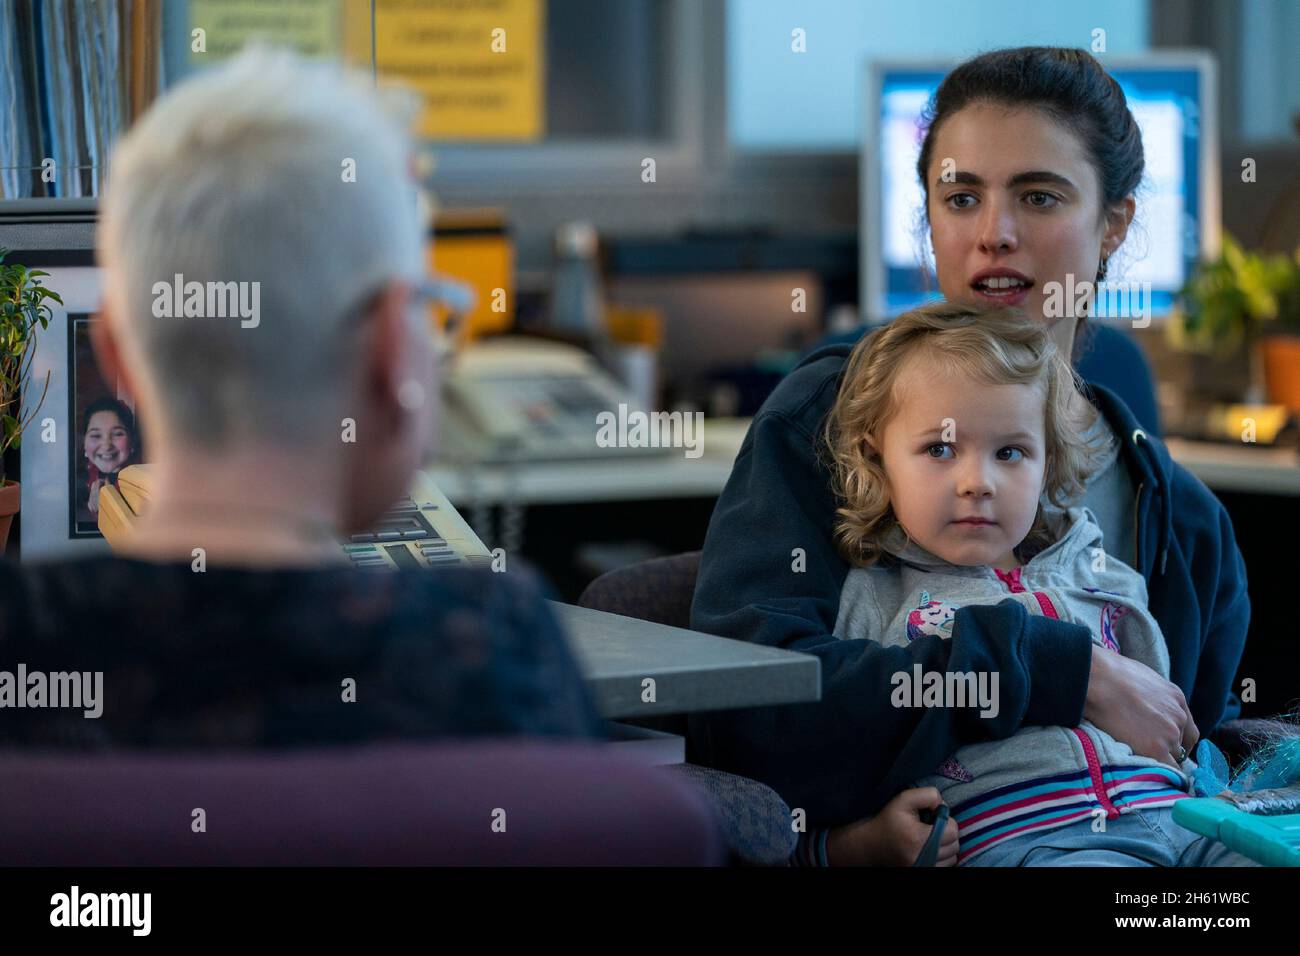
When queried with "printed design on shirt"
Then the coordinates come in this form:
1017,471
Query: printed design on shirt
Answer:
1110,615
1100,591
953,770
930,617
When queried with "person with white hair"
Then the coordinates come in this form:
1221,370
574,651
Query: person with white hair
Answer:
286,406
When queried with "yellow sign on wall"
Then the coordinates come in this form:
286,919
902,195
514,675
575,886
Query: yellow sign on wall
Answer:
478,64
309,26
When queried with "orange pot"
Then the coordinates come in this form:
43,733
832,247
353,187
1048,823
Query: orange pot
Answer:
1282,369
10,499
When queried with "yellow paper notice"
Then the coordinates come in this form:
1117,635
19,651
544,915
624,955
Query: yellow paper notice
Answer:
309,26
478,64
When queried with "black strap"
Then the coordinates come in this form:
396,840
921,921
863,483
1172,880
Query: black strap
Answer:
930,852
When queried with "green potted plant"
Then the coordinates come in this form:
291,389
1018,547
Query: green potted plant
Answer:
23,309
1246,300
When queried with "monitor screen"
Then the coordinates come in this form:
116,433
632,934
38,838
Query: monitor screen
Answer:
1172,101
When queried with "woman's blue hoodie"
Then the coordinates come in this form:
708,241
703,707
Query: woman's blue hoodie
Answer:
770,574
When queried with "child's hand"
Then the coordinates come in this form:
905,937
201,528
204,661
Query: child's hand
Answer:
895,836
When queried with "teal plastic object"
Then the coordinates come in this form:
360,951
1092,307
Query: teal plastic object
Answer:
1271,840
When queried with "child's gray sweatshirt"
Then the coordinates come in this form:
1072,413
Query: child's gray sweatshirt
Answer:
1040,777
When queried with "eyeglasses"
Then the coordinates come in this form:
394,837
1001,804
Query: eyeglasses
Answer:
457,299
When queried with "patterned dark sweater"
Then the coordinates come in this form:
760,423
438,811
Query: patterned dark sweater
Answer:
234,658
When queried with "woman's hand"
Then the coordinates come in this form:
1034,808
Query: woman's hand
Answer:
1137,706
93,502
895,836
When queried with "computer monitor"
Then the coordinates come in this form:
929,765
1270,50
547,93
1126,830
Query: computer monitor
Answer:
1173,98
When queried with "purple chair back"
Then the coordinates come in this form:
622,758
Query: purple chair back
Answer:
388,804
659,590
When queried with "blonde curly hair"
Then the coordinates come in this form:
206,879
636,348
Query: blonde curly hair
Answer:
1000,347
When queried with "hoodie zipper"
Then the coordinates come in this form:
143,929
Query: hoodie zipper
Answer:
1012,580
1094,771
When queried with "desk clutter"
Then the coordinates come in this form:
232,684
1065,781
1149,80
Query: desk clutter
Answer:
1259,426
422,530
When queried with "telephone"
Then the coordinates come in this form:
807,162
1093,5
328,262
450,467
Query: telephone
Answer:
422,530
515,398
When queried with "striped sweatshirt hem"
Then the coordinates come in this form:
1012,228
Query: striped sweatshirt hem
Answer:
1047,803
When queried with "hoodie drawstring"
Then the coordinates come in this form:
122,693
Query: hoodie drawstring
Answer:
1166,498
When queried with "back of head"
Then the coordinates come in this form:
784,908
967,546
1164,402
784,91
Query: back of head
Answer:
242,176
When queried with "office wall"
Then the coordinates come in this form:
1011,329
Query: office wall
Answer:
711,183
810,101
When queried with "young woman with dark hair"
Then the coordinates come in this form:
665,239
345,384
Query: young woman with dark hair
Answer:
1030,165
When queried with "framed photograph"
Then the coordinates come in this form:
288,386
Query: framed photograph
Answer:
107,436
56,521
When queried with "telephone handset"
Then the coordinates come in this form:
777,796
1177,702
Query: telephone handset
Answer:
515,398
422,530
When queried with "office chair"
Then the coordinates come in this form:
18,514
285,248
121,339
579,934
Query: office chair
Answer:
754,819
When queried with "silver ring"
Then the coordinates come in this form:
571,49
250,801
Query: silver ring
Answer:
1182,754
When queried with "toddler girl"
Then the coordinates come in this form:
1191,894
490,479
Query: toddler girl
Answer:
958,441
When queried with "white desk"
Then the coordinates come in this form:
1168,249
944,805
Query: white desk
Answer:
1264,471
668,475
691,671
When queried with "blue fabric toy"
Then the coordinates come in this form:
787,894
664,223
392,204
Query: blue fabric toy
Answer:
1277,764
